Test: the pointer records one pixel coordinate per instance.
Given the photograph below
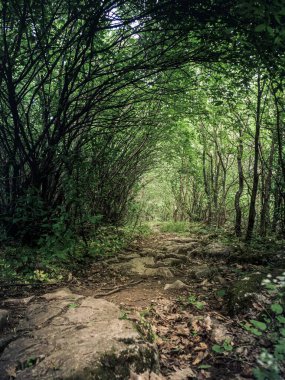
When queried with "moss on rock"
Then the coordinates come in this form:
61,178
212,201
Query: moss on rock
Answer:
242,293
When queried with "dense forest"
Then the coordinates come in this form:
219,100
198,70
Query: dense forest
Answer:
120,115
93,95
225,158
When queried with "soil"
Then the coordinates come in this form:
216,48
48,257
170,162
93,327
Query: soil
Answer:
184,323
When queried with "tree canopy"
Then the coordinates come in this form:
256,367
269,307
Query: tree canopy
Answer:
93,92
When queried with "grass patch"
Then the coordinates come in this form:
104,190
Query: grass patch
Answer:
175,227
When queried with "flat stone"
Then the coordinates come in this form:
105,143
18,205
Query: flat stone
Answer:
18,301
201,272
176,285
76,338
164,272
186,248
61,294
138,266
4,316
217,249
160,272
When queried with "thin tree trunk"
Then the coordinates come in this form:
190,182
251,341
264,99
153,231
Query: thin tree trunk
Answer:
238,195
264,215
252,207
207,189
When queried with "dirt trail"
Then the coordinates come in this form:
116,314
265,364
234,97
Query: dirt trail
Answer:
191,316
185,322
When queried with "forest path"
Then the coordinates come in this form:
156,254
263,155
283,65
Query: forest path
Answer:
183,293
138,275
173,288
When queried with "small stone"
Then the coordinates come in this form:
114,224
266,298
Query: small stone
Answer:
176,285
164,272
4,315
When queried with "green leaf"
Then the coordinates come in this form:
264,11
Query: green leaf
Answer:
72,306
277,308
227,346
282,331
270,30
217,348
280,348
259,373
221,293
204,366
260,28
280,319
255,332
260,325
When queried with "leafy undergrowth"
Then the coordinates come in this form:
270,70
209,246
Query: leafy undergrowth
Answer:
56,256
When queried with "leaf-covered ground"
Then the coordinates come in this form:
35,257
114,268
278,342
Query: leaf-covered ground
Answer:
206,321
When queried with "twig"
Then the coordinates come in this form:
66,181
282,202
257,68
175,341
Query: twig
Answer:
118,288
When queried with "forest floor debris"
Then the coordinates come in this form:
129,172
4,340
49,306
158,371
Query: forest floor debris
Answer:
199,328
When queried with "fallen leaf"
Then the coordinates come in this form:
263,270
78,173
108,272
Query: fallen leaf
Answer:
203,346
204,375
11,372
183,374
200,356
208,323
219,333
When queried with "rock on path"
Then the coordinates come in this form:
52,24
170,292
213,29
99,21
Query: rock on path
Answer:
68,336
157,260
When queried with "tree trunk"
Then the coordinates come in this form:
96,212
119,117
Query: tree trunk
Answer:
207,189
238,195
264,215
252,209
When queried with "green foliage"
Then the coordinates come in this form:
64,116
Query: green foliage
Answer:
99,128
225,347
191,299
60,253
123,315
175,227
270,359
221,292
276,308
255,327
73,305
145,328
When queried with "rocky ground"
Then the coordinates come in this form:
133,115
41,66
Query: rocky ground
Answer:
169,307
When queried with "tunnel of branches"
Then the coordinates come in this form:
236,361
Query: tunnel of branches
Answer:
112,111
